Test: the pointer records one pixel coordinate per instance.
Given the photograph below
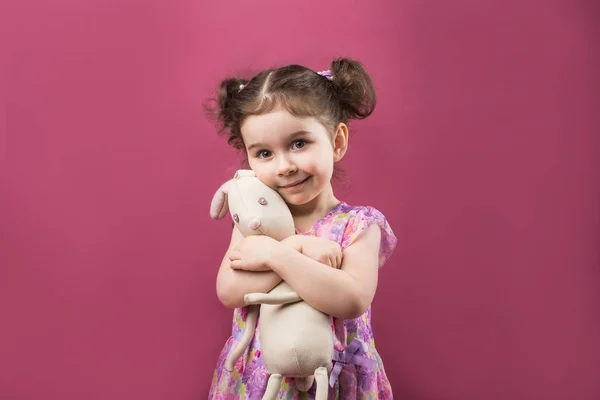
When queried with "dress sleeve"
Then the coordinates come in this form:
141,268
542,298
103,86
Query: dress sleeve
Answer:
365,217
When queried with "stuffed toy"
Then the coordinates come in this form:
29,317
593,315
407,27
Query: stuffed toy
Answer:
296,339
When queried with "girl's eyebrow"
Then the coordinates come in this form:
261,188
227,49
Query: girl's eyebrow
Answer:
291,136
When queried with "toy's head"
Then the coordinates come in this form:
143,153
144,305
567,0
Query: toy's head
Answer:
255,208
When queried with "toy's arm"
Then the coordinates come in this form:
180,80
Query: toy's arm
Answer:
344,293
272,298
232,285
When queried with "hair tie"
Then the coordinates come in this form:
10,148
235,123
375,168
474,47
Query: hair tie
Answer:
327,74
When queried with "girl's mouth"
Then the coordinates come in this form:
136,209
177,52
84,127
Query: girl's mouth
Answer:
296,185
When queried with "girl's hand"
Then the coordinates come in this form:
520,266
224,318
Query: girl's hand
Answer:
319,249
253,253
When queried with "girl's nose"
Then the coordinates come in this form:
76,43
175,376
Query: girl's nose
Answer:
285,166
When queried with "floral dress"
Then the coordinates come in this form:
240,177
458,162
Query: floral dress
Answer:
354,376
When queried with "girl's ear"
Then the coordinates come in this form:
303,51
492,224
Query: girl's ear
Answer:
340,141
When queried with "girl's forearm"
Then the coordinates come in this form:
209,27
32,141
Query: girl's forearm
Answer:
233,285
329,290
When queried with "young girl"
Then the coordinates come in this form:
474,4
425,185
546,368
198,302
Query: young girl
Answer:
292,124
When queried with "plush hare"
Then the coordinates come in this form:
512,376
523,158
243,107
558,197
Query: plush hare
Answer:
296,339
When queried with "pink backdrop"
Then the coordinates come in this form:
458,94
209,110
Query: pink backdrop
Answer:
483,153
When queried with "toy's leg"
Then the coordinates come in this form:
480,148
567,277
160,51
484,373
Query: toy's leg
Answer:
269,298
304,384
322,383
244,342
273,387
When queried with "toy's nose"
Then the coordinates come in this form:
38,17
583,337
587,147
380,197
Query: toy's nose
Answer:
254,224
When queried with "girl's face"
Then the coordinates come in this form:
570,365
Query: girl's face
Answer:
293,155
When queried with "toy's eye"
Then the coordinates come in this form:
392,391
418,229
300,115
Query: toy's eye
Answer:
262,201
236,218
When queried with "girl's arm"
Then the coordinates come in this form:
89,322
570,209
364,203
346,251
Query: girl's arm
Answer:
232,285
344,293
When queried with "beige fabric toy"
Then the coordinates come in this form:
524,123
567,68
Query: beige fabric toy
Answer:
296,339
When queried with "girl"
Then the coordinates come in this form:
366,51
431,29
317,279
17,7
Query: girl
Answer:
292,125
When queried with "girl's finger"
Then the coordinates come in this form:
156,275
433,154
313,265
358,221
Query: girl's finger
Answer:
234,255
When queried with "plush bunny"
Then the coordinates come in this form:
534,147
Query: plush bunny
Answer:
296,339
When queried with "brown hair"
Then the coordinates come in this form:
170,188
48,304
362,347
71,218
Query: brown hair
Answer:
300,91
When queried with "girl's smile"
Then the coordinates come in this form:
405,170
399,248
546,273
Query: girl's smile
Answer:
296,186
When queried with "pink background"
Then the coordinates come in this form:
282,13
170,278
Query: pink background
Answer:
483,153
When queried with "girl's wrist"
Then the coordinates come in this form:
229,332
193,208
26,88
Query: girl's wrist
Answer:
281,250
294,241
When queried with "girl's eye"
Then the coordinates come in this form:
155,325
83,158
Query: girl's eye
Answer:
298,144
264,154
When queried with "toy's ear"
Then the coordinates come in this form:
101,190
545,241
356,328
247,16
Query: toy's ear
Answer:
219,206
243,173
